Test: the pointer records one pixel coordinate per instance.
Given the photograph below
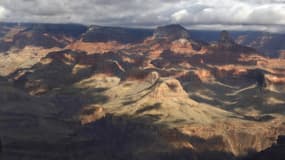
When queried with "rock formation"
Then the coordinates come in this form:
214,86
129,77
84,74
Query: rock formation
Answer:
276,152
226,40
171,32
77,92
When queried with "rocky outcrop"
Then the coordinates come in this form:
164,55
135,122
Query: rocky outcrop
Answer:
152,77
226,40
258,76
91,114
171,32
184,46
225,37
204,75
168,89
121,35
276,152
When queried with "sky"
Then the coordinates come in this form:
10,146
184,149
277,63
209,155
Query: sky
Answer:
266,15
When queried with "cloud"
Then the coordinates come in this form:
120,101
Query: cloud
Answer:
258,14
3,12
179,15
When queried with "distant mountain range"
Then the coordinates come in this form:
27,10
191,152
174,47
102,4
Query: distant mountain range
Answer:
270,44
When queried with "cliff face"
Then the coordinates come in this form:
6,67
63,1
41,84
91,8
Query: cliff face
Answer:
171,32
275,152
226,40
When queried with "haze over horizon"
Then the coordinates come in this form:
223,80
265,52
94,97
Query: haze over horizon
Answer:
264,15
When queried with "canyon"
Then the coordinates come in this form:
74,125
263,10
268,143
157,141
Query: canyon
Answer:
70,91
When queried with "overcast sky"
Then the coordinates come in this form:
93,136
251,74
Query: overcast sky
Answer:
197,14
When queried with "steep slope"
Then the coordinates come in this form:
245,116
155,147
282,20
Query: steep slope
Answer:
276,152
40,35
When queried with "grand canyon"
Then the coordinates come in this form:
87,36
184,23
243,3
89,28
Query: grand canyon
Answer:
82,92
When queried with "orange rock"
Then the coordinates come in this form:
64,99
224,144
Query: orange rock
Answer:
204,75
95,47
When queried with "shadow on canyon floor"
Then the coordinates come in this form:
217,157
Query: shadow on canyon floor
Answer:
119,137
